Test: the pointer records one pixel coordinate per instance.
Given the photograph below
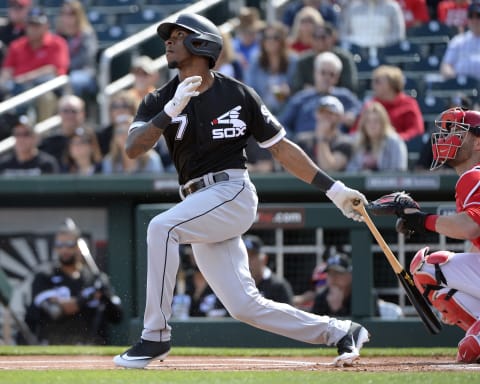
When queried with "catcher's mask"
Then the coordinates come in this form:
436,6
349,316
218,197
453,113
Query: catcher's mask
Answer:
205,39
453,125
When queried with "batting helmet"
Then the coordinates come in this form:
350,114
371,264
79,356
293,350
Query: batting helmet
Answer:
205,39
453,125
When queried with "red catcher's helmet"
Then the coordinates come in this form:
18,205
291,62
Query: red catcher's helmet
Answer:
453,125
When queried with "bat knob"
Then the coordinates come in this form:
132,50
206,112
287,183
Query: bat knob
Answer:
356,202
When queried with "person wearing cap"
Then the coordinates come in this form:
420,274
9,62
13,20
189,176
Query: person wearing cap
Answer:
331,148
270,285
146,77
14,28
35,58
71,304
298,114
73,25
462,56
26,158
246,41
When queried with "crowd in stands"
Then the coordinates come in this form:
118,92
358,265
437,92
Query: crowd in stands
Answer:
337,75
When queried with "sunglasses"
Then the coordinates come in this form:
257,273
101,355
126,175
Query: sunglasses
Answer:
272,37
65,244
327,73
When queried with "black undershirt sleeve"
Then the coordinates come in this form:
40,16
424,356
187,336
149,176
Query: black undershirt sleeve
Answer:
161,120
322,181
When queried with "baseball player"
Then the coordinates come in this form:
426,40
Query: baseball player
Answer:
206,119
450,280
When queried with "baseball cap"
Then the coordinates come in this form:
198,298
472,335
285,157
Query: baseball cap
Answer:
339,262
36,15
331,103
144,63
253,243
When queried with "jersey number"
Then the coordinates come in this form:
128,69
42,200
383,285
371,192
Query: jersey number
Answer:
182,121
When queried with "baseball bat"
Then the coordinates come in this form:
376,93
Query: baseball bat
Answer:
416,298
84,249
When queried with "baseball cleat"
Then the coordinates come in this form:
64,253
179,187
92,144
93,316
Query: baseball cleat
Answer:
349,346
142,354
469,350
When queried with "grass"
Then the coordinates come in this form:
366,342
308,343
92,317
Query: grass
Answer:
121,376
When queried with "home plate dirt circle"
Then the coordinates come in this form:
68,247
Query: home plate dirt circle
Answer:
215,363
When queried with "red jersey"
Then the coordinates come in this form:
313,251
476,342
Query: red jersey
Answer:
22,58
453,13
467,196
414,11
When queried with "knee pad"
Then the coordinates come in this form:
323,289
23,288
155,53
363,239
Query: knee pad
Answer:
469,346
452,311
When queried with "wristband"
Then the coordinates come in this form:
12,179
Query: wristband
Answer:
322,181
431,222
161,120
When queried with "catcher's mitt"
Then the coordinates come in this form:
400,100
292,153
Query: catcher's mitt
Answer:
393,204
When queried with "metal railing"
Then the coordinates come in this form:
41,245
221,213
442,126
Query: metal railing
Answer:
104,77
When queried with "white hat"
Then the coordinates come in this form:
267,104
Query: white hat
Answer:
331,103
145,63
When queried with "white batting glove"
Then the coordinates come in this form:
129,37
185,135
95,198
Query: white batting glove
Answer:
343,197
185,90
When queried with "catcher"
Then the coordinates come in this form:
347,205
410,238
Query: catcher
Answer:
449,280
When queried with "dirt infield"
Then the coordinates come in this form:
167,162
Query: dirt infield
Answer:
214,363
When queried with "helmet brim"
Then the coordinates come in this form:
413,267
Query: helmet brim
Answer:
165,29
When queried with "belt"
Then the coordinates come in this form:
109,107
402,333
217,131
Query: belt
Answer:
197,185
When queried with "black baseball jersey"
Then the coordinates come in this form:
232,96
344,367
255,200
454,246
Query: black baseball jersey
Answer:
211,133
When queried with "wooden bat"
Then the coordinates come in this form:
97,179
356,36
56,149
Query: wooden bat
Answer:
416,298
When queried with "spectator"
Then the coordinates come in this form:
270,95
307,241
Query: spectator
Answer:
378,147
304,25
318,283
26,159
462,56
117,161
329,147
299,112
203,302
16,21
121,103
35,58
145,75
269,285
246,37
453,13
324,40
328,11
82,155
70,304
415,12
228,63
271,72
74,27
336,298
372,23
388,83
72,116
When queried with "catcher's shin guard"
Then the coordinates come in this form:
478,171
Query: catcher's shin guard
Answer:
469,346
433,285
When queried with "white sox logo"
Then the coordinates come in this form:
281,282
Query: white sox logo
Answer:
236,127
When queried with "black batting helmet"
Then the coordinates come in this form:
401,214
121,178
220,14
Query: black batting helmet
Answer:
205,39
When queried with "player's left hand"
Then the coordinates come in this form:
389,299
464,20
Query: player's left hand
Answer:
343,197
411,221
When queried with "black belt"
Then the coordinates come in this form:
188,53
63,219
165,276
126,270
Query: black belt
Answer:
194,187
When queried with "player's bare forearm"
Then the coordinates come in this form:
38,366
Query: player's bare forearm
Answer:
294,160
142,139
458,226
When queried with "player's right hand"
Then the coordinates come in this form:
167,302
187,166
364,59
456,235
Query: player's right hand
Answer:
344,197
185,90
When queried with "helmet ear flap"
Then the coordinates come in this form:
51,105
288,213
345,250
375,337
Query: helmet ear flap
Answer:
202,47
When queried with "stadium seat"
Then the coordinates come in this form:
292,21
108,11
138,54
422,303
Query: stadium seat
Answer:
449,88
97,18
431,32
135,21
431,106
110,35
422,68
403,52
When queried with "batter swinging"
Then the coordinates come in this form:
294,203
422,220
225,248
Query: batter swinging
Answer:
206,119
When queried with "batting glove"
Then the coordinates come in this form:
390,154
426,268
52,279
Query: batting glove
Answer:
343,197
185,90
